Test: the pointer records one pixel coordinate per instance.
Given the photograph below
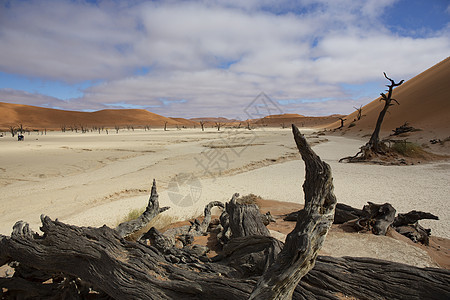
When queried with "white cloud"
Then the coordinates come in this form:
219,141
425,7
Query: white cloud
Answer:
217,55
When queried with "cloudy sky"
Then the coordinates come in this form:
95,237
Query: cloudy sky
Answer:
212,58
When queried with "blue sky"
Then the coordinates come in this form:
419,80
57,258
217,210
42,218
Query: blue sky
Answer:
212,58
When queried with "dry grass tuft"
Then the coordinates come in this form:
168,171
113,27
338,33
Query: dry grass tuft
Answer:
409,149
249,199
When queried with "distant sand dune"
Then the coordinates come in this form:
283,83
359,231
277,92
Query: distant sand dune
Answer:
424,104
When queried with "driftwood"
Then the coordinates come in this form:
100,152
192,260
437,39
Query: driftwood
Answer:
304,242
408,225
403,129
376,218
98,263
343,213
151,211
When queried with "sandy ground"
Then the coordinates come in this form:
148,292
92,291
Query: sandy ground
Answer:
91,179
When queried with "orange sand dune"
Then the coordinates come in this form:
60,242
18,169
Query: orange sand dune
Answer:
424,104
212,120
299,120
33,117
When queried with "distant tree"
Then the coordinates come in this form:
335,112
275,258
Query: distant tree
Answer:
283,126
202,123
248,126
218,125
342,122
359,116
374,142
165,126
374,146
117,128
12,129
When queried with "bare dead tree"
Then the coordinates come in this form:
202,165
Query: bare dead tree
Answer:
283,126
374,142
12,129
359,116
218,125
374,146
117,128
202,123
165,126
248,126
342,122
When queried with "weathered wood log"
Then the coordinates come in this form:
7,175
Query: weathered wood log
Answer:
412,217
151,211
408,225
303,244
376,218
245,219
185,234
368,278
129,270
403,129
343,213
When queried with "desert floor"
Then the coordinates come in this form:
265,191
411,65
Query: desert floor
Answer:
93,179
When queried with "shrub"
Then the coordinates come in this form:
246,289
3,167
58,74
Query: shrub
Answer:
249,199
408,149
133,214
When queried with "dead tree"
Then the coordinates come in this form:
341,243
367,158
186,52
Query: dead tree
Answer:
165,126
12,129
342,122
80,262
117,128
202,123
374,146
374,142
359,116
218,125
248,126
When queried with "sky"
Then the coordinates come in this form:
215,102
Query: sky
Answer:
214,58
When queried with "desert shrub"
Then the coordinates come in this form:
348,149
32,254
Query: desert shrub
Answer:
408,149
133,214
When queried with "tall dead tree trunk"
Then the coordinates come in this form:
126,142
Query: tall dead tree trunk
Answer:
342,123
374,142
302,245
359,116
374,146
202,123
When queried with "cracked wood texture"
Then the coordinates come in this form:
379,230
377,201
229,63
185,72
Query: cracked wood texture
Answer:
313,222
